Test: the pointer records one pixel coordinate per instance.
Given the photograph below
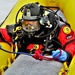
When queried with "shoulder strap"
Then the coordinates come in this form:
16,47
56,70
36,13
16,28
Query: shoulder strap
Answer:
10,29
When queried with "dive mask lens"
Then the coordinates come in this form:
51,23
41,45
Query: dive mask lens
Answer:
31,26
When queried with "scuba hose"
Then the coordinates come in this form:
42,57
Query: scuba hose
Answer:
47,58
14,52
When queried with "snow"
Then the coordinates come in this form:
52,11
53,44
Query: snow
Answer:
5,7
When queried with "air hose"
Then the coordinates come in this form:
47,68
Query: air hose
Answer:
47,58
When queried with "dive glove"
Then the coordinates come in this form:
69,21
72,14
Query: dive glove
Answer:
60,55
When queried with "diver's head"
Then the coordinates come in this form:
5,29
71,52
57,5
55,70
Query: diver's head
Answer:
31,16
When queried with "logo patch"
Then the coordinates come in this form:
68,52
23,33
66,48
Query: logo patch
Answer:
66,30
68,37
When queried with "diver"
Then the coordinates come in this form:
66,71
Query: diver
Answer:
39,32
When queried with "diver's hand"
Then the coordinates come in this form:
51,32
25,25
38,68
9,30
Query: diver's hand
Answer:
62,57
37,55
